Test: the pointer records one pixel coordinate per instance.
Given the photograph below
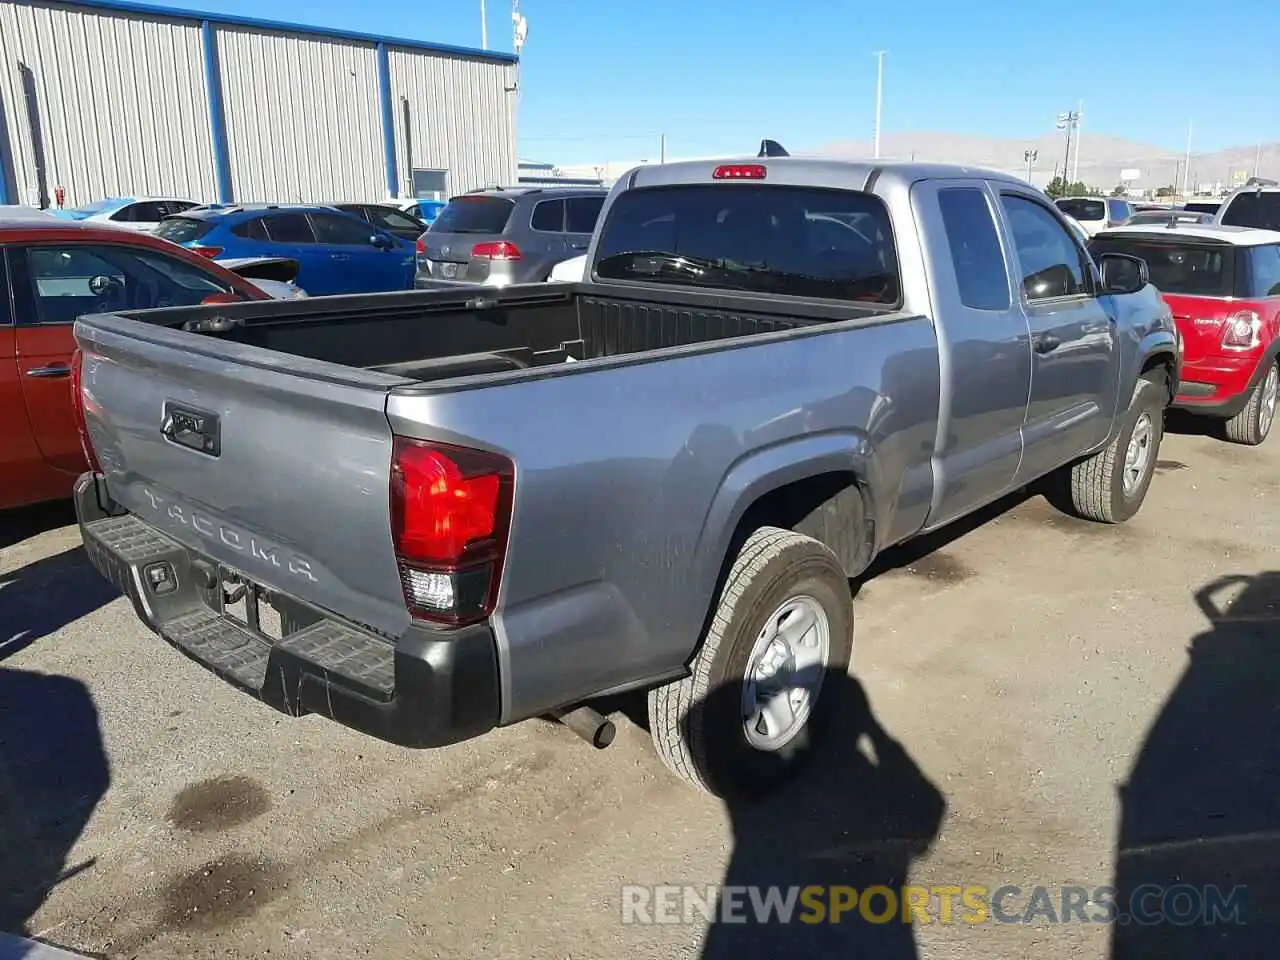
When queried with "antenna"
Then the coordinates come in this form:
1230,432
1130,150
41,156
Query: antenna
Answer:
772,148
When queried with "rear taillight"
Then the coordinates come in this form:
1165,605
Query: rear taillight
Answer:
1240,332
209,252
450,513
420,245
497,250
77,410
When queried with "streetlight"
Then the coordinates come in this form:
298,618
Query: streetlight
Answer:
1030,156
1067,121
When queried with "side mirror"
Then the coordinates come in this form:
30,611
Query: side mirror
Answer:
380,240
222,298
1122,273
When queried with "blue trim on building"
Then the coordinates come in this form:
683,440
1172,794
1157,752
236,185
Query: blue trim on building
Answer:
217,118
388,127
223,19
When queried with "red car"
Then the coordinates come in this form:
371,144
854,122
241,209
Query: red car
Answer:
52,271
1223,285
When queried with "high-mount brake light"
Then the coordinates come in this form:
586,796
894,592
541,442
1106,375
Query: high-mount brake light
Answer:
450,515
740,171
77,410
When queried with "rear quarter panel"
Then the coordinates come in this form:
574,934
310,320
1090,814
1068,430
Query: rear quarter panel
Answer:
630,479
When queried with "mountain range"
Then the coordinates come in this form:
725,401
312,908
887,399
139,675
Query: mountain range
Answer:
1102,158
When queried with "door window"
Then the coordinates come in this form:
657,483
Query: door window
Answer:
975,248
548,216
255,229
290,228
333,229
1264,272
389,219
581,214
1052,264
56,284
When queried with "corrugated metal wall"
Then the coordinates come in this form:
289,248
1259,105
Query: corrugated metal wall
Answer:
119,103
460,118
303,119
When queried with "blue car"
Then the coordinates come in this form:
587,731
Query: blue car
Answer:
336,252
424,210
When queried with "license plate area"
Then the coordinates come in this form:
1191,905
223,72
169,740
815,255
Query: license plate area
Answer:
448,270
249,605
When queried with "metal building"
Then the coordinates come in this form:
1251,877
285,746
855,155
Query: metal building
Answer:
114,98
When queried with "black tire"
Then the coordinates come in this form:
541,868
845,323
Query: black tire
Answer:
697,722
1253,424
1096,485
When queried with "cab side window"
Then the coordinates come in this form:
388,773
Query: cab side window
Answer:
975,248
1052,264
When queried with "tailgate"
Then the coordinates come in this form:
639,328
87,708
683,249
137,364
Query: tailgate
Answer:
275,466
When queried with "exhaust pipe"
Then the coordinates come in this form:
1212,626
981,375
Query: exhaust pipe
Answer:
597,730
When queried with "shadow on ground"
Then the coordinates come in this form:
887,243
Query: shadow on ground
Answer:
53,773
47,594
857,815
1200,811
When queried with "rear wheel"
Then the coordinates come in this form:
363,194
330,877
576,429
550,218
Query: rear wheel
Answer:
1252,424
1109,486
756,699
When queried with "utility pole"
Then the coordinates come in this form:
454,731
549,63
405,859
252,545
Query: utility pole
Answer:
1075,170
1031,156
1186,170
662,149
1065,122
875,140
484,28
1257,160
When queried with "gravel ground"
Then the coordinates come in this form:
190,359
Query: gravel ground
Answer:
1045,693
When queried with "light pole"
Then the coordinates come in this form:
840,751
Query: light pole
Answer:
1030,156
484,28
1186,170
875,140
1067,121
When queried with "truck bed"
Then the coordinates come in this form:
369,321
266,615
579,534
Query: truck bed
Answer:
435,335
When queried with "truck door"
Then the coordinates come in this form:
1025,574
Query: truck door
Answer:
1075,346
984,353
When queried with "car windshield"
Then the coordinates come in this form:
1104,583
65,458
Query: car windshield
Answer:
1083,209
474,214
1178,266
792,241
183,229
1254,209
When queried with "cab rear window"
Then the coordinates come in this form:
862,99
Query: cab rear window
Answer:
1084,209
784,240
183,229
1253,209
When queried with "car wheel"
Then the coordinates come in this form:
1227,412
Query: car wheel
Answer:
1252,424
1110,486
753,705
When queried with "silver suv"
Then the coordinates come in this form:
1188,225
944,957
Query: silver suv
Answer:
504,235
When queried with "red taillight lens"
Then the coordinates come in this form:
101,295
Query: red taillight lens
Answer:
420,245
77,410
740,171
450,511
1240,332
497,250
209,252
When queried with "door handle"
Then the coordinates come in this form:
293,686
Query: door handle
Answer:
577,246
339,256
47,372
1047,343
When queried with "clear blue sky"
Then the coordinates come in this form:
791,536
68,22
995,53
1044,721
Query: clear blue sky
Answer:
602,79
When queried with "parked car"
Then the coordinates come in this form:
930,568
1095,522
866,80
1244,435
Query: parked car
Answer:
1257,204
384,216
134,213
1096,213
572,270
424,210
482,509
277,277
336,252
1223,284
1149,218
504,236
51,271
1210,207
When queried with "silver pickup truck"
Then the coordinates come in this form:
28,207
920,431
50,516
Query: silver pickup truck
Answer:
427,514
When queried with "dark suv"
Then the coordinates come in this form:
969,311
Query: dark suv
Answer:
504,235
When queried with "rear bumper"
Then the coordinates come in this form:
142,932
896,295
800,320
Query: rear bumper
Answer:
1218,386
427,688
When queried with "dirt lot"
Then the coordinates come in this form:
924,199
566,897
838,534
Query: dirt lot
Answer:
1027,668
